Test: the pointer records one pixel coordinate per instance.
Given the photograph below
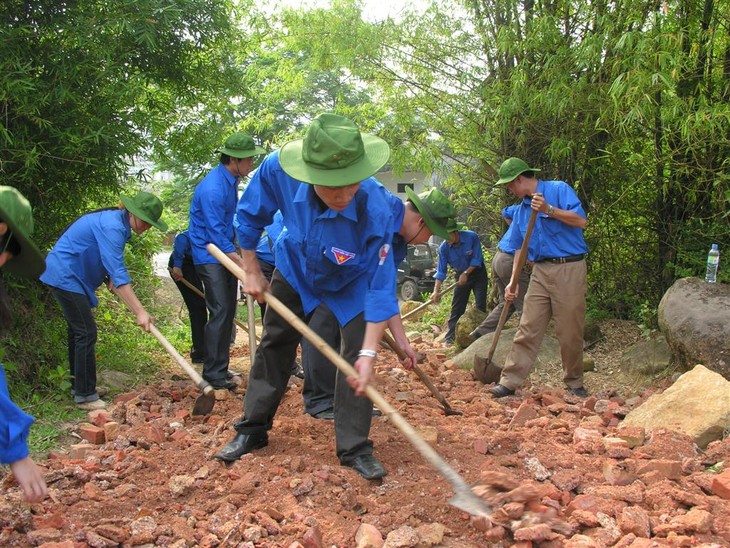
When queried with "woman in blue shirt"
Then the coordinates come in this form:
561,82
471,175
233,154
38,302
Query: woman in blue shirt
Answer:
90,251
19,255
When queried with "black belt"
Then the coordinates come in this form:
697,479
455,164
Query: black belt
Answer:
561,260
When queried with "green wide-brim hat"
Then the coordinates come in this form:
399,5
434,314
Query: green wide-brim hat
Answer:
241,145
435,208
454,226
512,168
147,207
17,213
334,153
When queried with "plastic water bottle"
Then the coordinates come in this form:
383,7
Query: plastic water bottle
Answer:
713,260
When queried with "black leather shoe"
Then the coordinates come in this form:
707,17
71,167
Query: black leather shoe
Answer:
367,466
297,371
500,391
327,415
224,385
580,392
240,445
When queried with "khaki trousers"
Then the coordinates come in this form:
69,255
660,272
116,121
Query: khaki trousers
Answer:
556,291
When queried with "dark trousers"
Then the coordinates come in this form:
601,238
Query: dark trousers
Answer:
270,371
267,269
81,343
220,299
477,283
197,311
320,374
501,276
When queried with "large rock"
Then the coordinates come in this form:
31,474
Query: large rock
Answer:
647,357
549,349
697,404
469,321
695,319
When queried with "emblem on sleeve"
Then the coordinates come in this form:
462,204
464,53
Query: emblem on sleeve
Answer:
342,256
383,253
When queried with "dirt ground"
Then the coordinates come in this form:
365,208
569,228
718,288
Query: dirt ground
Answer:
555,470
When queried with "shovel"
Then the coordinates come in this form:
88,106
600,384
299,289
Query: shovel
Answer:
204,403
448,410
464,498
200,294
252,338
424,305
489,371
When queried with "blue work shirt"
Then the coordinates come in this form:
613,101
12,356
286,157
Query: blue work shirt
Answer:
468,252
181,249
91,248
265,247
14,426
400,246
550,237
211,214
504,244
341,258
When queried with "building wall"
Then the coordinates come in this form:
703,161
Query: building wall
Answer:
417,180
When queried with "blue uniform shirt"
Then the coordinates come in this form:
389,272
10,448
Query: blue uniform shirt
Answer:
400,247
341,258
211,214
181,249
265,247
91,248
14,426
550,237
504,244
468,252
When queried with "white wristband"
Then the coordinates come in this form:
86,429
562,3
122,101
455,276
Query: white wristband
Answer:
367,353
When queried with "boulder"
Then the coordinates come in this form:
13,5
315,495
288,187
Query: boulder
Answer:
549,349
697,404
647,357
694,316
469,321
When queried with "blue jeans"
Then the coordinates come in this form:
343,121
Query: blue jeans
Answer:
220,299
81,343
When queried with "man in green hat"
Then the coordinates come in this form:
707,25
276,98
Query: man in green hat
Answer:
90,251
211,221
19,255
462,252
558,282
336,250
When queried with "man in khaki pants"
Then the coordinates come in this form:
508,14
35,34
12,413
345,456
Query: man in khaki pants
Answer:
558,284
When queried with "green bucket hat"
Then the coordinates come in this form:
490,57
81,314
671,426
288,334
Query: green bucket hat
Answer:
435,208
147,207
511,168
16,212
454,226
241,145
333,153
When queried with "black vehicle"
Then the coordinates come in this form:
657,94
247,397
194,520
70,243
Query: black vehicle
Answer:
415,273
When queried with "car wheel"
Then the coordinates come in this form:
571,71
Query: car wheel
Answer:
409,291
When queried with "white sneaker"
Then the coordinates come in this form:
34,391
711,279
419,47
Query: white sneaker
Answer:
91,405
